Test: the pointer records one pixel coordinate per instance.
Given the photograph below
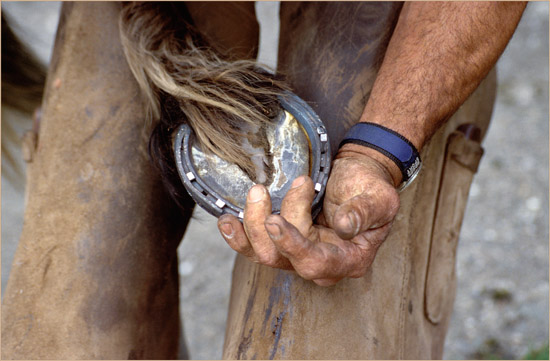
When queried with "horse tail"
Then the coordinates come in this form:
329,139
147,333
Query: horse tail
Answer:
184,81
23,80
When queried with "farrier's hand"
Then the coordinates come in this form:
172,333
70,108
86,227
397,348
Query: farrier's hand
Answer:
360,205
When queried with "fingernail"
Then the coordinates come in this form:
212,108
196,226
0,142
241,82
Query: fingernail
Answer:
256,193
298,182
273,230
353,222
227,230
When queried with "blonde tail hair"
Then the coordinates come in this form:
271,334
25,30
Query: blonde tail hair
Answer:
184,80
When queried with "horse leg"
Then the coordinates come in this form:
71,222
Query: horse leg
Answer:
95,274
330,53
230,27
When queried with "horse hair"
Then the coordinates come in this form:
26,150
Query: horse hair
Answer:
183,80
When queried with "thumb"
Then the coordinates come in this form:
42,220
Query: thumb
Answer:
364,212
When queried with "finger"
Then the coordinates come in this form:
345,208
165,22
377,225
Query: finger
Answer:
296,205
369,242
288,239
366,211
233,233
373,238
332,258
257,209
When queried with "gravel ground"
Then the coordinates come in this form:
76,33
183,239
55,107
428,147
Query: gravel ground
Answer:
502,298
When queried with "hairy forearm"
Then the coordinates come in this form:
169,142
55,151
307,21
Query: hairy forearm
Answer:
438,55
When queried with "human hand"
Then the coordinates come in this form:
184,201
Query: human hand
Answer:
359,207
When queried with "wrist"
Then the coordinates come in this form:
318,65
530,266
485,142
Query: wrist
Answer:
391,145
388,169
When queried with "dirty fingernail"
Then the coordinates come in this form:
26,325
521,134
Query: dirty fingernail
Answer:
273,230
298,182
353,223
256,193
227,230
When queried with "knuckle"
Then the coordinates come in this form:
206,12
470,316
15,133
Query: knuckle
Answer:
307,275
310,272
265,259
272,262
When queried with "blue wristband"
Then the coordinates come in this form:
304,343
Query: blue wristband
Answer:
391,144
